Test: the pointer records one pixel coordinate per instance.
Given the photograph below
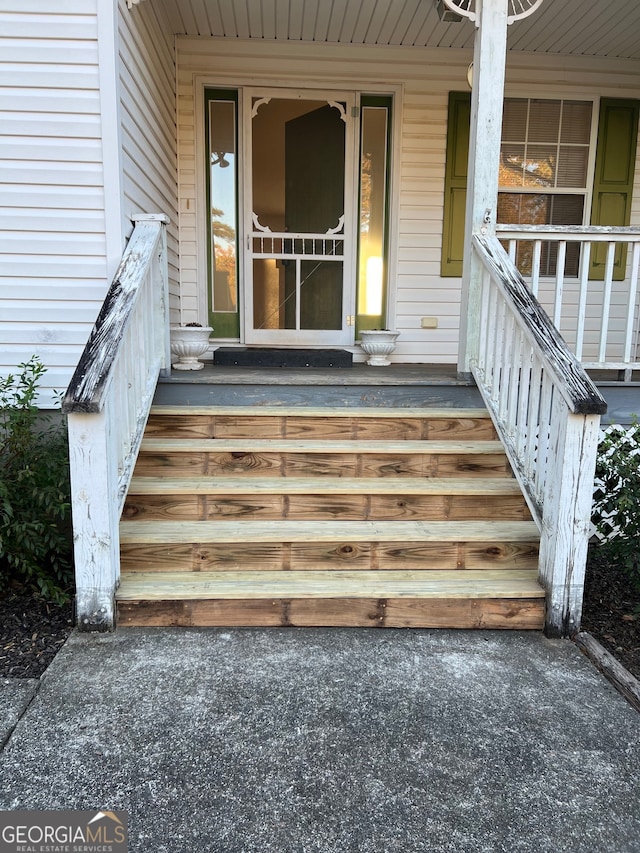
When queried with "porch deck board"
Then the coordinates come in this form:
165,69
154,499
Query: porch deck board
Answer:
153,586
324,411
322,486
172,532
248,446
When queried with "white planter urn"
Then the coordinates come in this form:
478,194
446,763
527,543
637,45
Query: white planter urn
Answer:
378,344
188,343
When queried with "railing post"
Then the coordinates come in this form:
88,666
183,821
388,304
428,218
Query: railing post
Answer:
162,304
96,515
489,60
107,404
566,517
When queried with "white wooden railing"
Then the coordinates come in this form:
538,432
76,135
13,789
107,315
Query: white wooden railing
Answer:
107,404
586,278
547,413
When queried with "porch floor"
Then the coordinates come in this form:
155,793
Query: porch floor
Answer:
358,374
398,385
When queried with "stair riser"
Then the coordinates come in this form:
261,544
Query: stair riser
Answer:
343,507
520,614
298,464
323,428
300,556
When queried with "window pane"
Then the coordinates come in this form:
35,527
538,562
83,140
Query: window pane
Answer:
576,122
540,166
572,168
544,121
222,160
321,294
511,163
524,208
542,209
270,303
566,210
373,200
514,120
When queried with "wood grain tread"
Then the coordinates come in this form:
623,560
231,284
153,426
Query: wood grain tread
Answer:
323,412
248,446
323,486
152,586
149,532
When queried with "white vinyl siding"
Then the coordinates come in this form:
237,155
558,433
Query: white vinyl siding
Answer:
52,224
148,121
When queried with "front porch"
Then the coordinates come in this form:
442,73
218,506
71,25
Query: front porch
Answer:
298,273
543,406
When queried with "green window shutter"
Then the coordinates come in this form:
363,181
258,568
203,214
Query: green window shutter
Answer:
613,180
455,183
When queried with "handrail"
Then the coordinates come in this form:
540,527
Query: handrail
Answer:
547,413
588,278
575,233
579,391
90,381
107,406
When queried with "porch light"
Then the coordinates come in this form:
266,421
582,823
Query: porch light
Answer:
470,75
447,15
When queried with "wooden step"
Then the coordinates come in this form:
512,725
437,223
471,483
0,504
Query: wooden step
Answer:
201,498
325,531
326,516
321,584
330,423
505,599
198,546
297,458
322,486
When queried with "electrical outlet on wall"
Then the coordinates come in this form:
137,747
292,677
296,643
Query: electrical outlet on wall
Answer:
428,322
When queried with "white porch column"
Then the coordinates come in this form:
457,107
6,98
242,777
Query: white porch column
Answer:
489,60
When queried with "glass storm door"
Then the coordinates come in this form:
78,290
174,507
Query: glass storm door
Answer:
299,266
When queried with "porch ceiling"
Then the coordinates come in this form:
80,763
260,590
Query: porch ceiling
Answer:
572,27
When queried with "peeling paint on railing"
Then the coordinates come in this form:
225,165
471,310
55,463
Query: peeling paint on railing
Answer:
579,391
89,382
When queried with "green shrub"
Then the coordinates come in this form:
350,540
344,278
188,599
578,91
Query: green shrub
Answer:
616,510
35,505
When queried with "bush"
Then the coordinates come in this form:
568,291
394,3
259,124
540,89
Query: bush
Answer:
616,510
35,495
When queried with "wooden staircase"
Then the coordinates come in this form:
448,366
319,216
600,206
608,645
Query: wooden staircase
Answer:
332,516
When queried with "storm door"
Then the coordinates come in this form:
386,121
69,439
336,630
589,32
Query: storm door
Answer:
299,271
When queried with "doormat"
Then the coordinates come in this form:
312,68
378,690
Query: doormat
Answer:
270,357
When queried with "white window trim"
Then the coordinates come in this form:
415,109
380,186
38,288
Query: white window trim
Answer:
593,142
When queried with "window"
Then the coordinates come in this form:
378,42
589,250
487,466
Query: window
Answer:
543,179
373,210
545,172
222,181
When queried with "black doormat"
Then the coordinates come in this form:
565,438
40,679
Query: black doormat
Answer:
270,357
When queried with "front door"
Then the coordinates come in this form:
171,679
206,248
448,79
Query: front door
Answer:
299,276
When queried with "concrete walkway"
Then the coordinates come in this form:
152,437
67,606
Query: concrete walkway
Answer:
301,740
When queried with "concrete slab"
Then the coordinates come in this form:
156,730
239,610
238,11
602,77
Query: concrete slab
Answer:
15,695
333,740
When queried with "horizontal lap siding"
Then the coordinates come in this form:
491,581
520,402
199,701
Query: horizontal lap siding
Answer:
148,120
52,225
